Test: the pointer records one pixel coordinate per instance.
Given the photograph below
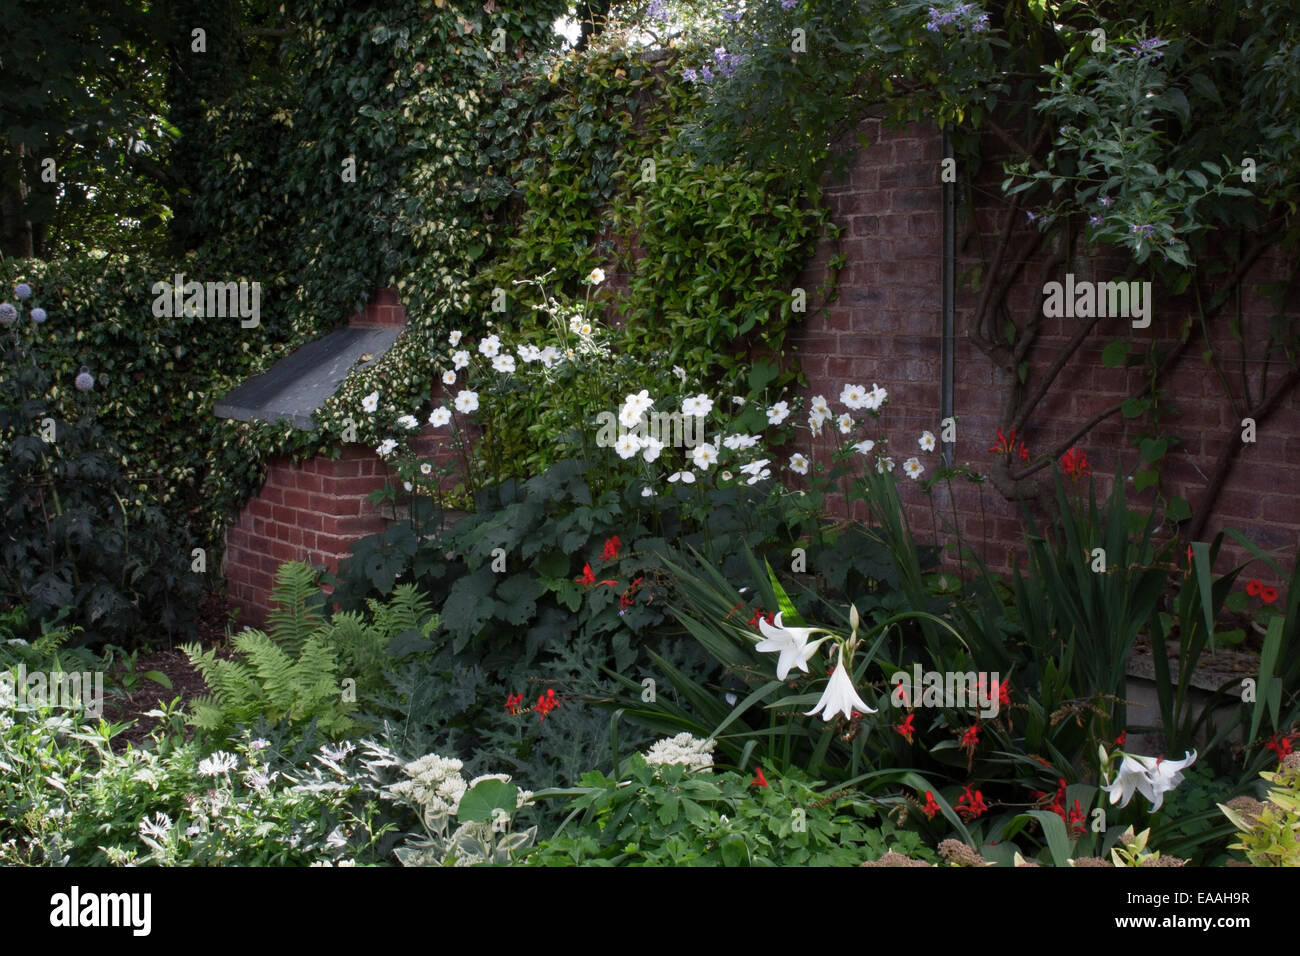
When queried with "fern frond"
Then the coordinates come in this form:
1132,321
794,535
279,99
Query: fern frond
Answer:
301,601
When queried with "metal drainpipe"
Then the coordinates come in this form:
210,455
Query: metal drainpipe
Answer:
947,345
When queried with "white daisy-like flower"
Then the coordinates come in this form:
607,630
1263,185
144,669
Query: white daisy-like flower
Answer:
449,377
913,467
818,404
737,400
704,456
371,402
217,764
426,469
854,397
680,373
864,447
634,406
846,423
386,447
549,356
490,346
778,413
504,363
876,397
454,339
575,324
585,329
815,422
699,406
652,447
459,359
440,416
647,492
596,277
627,445
408,422
157,828
926,441
529,353
884,464
798,464
685,477
725,475
467,401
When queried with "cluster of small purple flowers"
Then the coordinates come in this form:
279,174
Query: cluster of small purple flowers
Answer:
1146,229
958,15
656,10
1148,47
724,64
789,4
732,16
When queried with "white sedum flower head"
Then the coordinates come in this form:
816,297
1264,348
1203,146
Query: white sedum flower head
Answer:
688,751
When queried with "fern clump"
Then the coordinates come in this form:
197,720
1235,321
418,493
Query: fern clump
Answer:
305,667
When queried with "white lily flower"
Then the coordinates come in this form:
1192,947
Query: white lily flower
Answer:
790,642
1149,776
839,696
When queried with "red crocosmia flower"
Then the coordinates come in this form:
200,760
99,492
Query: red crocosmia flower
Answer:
1075,463
906,729
1078,820
1281,747
513,703
759,780
1253,587
1006,445
971,805
588,578
761,615
612,546
971,738
546,703
1268,595
1123,736
930,808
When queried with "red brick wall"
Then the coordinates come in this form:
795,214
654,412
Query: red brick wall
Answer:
885,327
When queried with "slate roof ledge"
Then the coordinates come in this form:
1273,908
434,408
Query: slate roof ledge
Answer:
295,387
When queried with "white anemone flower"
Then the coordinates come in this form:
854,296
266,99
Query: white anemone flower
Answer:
680,373
926,441
467,401
596,277
651,449
790,642
839,697
386,447
876,398
460,359
699,406
819,405
1149,776
845,422
815,422
439,417
913,467
490,346
449,377
778,413
627,445
864,447
798,464
504,363
454,339
704,456
854,397
408,422
371,402
685,477
884,464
